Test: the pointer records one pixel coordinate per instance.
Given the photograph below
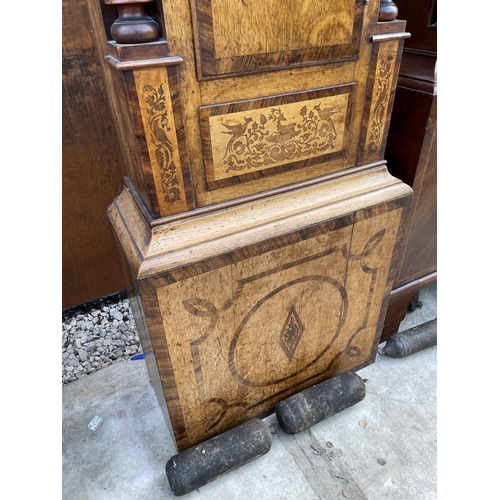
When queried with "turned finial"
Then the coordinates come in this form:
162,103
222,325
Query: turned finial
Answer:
388,11
133,24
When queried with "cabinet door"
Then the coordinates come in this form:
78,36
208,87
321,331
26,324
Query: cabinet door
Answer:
240,36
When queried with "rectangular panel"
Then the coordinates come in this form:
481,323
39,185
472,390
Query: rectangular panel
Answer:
246,335
260,137
159,131
238,36
331,24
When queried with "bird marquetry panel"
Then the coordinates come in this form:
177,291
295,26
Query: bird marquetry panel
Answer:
239,36
250,139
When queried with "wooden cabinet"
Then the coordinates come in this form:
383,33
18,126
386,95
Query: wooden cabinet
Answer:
259,226
411,154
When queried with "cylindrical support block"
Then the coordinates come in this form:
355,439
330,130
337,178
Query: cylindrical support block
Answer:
413,340
219,455
308,407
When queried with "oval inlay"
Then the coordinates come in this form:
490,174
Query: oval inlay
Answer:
288,325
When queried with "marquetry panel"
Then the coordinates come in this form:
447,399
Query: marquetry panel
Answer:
236,36
250,139
159,130
243,336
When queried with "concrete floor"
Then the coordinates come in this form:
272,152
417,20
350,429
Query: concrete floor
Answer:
392,457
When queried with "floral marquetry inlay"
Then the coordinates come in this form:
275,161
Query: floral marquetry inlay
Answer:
276,139
253,140
159,127
160,133
380,105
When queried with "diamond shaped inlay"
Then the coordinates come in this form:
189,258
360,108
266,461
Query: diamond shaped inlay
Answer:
291,333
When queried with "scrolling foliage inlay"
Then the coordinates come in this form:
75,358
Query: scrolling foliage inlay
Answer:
379,99
271,141
274,134
384,80
159,127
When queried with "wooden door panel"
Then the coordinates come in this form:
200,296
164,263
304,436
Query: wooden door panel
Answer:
240,36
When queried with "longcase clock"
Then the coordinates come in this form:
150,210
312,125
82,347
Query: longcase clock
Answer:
258,226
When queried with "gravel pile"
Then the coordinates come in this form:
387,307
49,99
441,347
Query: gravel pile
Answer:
97,334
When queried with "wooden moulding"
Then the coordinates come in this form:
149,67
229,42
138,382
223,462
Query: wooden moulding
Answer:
133,63
152,250
246,305
122,53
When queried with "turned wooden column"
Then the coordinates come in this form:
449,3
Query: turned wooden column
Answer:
133,24
388,11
